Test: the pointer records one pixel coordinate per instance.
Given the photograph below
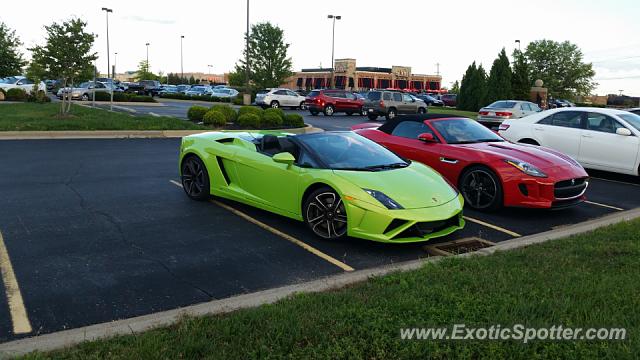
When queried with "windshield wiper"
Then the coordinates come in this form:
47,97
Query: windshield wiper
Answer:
387,166
477,141
353,169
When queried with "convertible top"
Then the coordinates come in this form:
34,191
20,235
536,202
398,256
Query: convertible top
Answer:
388,126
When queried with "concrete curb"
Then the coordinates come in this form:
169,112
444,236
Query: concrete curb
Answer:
121,103
120,134
139,324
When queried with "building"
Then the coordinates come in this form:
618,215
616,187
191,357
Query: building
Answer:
348,76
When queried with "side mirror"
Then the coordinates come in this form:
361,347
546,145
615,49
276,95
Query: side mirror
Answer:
623,131
284,158
426,137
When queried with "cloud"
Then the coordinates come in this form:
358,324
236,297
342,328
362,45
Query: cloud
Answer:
149,20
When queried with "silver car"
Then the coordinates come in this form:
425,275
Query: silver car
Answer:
502,110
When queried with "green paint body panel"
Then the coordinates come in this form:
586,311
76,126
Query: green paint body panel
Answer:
255,179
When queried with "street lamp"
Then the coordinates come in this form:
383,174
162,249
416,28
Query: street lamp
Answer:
115,64
107,11
333,40
181,62
247,98
147,54
518,41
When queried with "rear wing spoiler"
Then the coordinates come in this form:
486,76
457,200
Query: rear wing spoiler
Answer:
368,125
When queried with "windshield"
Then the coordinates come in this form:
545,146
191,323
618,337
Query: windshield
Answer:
314,93
632,119
502,105
9,80
374,95
464,131
350,151
84,85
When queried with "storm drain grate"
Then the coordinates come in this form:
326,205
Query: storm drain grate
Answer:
457,247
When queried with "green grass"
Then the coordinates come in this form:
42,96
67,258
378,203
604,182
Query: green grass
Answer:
451,111
591,280
44,117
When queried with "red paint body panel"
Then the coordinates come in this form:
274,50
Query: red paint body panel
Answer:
452,159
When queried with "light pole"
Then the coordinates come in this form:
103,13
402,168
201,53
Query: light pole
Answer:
107,11
333,41
247,94
181,62
518,41
115,64
147,54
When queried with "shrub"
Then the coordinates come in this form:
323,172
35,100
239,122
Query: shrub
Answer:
215,118
277,112
141,98
238,101
249,120
16,94
293,120
196,113
102,96
250,110
271,119
226,110
40,97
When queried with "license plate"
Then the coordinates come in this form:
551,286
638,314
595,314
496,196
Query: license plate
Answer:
370,110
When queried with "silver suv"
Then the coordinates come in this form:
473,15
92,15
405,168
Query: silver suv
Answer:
390,103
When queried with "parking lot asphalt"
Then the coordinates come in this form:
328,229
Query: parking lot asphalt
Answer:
97,231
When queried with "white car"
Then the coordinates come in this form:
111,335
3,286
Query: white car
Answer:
277,98
20,82
224,92
602,139
502,110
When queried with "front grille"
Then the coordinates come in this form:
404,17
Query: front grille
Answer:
568,189
395,223
423,229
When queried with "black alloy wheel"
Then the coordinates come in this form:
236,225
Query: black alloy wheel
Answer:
195,178
325,214
481,188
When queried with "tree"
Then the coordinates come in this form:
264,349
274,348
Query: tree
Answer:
192,80
237,78
464,97
520,81
144,73
499,82
269,64
66,55
455,88
473,88
561,67
11,61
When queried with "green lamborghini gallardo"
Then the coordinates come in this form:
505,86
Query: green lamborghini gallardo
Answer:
338,183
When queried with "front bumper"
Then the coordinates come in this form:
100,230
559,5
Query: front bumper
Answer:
545,193
372,222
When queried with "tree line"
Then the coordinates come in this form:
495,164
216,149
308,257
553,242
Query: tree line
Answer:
559,65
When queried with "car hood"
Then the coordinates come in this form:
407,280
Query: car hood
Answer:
416,186
540,157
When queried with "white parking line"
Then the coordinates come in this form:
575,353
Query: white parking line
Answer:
125,108
154,114
19,318
279,233
604,205
491,226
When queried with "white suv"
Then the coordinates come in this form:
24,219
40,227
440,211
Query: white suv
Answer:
277,98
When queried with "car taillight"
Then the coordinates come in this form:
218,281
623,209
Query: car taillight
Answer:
381,103
503,113
483,113
503,127
318,100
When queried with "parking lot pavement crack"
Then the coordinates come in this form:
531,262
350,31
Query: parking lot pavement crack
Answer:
116,225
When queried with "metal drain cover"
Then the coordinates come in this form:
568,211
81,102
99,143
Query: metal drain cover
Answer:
457,247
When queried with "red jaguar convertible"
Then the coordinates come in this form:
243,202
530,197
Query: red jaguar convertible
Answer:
489,171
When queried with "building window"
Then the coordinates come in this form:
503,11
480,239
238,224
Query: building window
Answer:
308,82
299,82
383,83
434,85
351,82
341,82
401,84
416,85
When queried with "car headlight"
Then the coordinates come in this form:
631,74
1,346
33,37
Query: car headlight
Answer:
526,168
388,202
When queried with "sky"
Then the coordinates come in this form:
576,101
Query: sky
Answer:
382,33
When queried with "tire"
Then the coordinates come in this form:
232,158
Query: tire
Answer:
274,104
195,178
529,141
422,111
328,110
391,114
349,113
325,214
362,112
303,106
85,97
314,112
481,188
372,117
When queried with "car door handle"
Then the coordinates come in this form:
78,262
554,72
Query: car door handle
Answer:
448,160
587,136
538,128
